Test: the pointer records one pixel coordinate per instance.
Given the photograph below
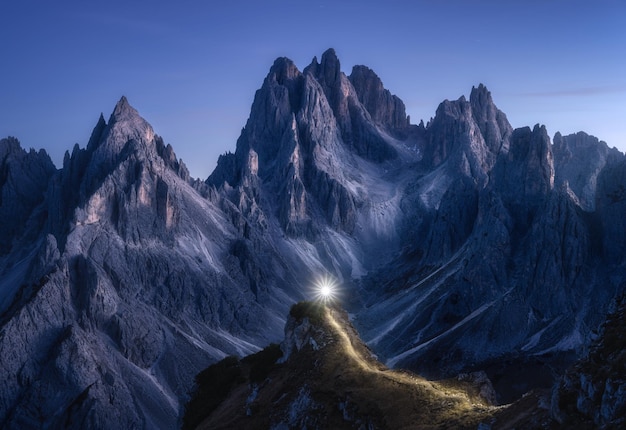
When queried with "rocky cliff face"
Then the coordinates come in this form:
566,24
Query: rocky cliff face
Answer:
592,394
138,284
459,245
304,142
495,243
579,159
383,107
24,178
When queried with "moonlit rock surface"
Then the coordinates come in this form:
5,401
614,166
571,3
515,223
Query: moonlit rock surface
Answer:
456,244
579,159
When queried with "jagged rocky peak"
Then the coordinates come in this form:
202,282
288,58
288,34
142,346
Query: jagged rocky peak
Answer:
385,109
530,157
328,71
330,65
336,88
283,70
358,130
126,123
271,116
492,122
96,135
578,160
525,174
448,132
533,150
125,131
123,110
9,145
472,133
24,177
291,103
11,149
166,152
303,133
127,143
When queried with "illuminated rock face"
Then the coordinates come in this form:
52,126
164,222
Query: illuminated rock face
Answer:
131,283
455,244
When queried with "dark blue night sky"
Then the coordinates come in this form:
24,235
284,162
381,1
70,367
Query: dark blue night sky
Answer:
191,67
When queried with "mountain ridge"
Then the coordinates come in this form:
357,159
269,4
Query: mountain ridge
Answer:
458,243
326,377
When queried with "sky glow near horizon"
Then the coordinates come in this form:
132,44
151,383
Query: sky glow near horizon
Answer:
191,68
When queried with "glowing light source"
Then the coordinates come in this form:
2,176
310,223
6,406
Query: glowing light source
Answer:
326,289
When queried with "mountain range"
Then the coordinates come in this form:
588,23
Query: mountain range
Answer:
459,245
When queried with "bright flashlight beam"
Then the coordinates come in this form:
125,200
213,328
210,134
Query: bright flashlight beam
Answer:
325,290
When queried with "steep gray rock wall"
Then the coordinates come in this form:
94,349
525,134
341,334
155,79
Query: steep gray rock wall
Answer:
525,175
145,287
493,124
299,144
504,267
610,206
457,245
24,177
384,108
578,160
592,394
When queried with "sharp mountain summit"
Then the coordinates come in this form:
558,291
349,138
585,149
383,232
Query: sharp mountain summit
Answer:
461,245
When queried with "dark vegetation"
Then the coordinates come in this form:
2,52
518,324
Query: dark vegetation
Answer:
262,362
212,386
314,311
605,362
610,348
215,382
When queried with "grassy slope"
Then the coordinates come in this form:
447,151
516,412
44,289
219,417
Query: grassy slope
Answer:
341,385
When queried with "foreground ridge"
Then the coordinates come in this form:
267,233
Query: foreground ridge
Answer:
328,378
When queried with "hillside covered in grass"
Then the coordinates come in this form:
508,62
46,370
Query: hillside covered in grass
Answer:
323,376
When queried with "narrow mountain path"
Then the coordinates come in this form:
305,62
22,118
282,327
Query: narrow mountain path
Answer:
347,344
368,364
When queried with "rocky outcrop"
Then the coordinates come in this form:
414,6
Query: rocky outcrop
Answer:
461,245
139,284
610,206
470,133
304,131
578,160
592,394
24,178
524,176
384,108
327,378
